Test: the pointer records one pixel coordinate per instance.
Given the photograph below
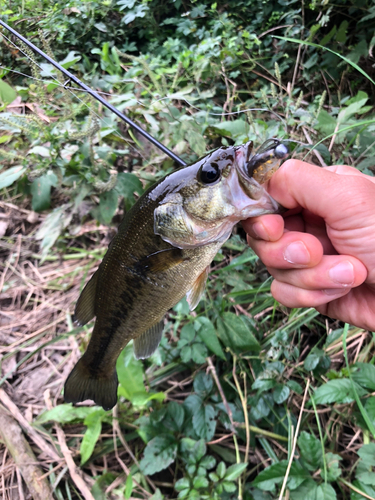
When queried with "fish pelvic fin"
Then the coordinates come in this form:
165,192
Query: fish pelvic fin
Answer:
85,307
194,295
82,385
147,343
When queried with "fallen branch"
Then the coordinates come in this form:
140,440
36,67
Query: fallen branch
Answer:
28,429
23,457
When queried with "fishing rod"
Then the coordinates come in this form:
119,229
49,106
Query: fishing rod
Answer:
95,95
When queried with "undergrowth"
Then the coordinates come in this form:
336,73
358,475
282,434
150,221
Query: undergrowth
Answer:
243,398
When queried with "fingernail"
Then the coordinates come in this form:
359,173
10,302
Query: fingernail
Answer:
335,291
259,231
342,273
297,253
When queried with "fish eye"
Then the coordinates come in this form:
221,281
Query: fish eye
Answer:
209,173
281,151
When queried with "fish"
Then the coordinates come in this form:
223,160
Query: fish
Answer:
162,252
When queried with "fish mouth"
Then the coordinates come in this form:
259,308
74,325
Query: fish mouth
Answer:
248,197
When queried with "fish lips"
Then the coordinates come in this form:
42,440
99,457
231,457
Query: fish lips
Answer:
248,197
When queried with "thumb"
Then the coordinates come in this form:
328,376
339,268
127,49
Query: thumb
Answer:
333,193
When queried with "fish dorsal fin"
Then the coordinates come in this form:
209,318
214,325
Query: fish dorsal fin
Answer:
85,307
148,341
195,293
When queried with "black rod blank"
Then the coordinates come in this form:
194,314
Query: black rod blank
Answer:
96,96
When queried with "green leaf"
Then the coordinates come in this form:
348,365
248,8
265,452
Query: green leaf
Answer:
233,128
66,413
94,427
207,333
128,487
200,482
367,453
203,384
52,226
41,191
130,374
229,487
159,453
188,332
311,450
176,414
346,113
234,333
364,375
70,59
234,471
306,491
367,478
127,185
268,478
281,393
204,422
312,360
337,391
334,470
186,353
107,206
198,353
221,470
182,484
7,93
325,492
11,175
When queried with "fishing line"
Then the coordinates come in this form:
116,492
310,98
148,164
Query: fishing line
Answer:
105,103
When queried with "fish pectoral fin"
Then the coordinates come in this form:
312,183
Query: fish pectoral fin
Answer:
162,261
82,384
85,307
147,343
194,295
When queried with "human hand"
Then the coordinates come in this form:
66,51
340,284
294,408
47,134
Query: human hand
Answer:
322,253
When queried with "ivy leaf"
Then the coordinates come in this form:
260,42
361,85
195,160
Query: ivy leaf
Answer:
337,391
311,450
159,453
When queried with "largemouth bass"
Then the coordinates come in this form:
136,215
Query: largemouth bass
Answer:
162,252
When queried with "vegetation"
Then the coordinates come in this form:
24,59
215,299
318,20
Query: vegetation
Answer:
243,398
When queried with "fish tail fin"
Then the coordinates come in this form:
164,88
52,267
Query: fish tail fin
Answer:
82,384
